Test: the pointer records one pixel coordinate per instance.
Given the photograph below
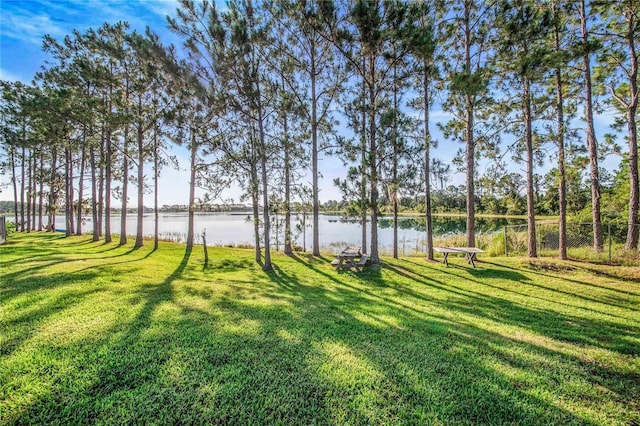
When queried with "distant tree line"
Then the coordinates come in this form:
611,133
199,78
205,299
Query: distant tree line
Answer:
256,91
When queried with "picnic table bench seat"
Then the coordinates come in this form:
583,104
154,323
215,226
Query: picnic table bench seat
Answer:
346,259
469,253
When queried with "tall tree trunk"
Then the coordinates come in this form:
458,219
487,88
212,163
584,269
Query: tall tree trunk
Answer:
34,192
68,192
427,162
598,240
94,194
83,159
255,197
107,179
373,166
363,162
634,195
470,158
287,185
53,191
29,188
562,184
531,219
41,192
156,173
470,161
314,154
125,188
192,188
140,224
22,222
15,184
101,169
265,189
632,229
394,178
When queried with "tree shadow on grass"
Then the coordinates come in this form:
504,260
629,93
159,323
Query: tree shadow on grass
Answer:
413,362
228,265
600,333
610,301
326,348
41,308
544,272
544,322
130,357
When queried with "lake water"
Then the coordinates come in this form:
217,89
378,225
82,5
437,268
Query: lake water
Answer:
335,231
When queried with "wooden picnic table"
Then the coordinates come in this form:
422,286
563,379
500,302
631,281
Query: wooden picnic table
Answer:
347,259
469,253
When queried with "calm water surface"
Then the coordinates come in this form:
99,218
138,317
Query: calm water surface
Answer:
335,231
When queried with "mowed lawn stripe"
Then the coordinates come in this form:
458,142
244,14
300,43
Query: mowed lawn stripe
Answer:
96,333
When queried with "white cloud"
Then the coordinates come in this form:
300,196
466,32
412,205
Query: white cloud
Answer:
9,76
24,25
161,7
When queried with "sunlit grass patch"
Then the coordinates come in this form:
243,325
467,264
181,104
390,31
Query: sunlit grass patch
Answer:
95,333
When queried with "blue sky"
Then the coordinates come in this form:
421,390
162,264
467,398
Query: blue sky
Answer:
23,23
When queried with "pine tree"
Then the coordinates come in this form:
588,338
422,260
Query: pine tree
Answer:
619,59
469,72
522,27
588,46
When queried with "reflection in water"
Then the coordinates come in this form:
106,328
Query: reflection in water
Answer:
335,231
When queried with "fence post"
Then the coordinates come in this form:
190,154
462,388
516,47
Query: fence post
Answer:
609,232
3,229
505,242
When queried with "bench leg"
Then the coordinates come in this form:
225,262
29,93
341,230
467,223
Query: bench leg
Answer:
445,260
471,259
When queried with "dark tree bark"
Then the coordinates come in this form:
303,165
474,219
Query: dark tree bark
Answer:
140,222
288,250
427,163
363,162
267,266
101,179
373,163
592,143
22,221
68,169
107,177
562,184
314,154
192,189
14,183
83,156
633,229
156,173
34,191
94,194
53,191
255,207
125,189
29,188
41,192
531,219
394,177
470,157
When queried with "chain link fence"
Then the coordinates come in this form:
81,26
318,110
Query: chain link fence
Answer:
579,243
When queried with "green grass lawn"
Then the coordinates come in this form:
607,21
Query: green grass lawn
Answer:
100,334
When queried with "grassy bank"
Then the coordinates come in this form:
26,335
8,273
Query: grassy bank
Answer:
95,333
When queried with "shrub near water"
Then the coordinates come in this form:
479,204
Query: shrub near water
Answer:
100,334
